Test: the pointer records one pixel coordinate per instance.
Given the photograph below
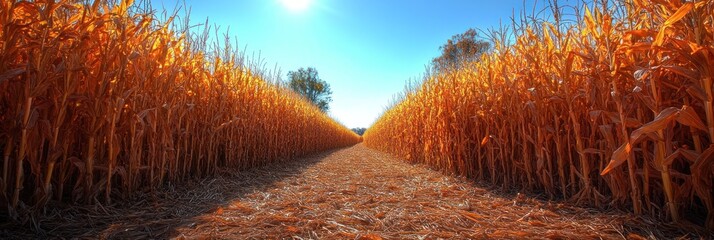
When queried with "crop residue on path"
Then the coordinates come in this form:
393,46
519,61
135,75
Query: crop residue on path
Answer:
352,193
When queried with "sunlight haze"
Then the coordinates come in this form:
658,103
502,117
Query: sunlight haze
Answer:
366,50
296,5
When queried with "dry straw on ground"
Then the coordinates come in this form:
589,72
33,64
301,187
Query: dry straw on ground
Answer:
612,109
351,193
99,101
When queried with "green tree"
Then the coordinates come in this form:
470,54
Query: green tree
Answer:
359,131
307,83
460,49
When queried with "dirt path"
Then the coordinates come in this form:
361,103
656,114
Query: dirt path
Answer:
351,193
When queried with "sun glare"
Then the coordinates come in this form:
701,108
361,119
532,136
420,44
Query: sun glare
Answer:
296,5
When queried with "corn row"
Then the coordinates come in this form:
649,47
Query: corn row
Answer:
97,102
613,109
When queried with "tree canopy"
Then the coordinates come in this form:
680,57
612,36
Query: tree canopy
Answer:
307,83
359,131
461,48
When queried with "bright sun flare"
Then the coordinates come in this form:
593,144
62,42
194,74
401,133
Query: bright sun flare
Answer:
296,5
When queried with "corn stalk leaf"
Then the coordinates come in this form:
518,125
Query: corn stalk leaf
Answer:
664,118
618,158
11,74
689,117
701,172
689,155
681,12
697,92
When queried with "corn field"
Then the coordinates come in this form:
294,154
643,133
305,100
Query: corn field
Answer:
98,102
612,109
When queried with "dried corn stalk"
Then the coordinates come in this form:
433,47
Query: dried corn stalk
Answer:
98,100
566,105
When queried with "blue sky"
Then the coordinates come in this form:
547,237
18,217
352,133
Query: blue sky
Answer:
365,49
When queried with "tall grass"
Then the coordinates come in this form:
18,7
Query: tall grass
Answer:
97,102
614,108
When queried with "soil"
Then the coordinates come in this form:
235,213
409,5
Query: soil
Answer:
350,193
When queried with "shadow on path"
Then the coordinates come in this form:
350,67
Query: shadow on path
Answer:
360,193
348,193
151,216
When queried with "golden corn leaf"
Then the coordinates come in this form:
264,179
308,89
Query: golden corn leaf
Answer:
689,117
679,14
664,118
